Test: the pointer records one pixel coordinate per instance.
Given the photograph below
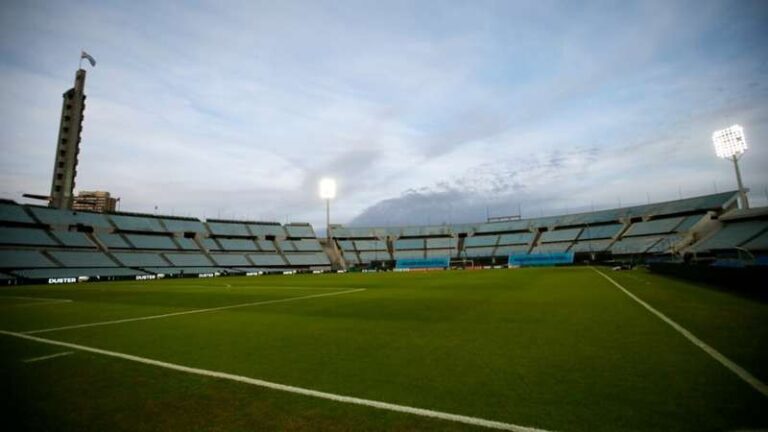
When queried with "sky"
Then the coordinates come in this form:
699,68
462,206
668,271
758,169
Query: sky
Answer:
425,112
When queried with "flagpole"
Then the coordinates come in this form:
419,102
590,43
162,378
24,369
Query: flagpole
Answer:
80,65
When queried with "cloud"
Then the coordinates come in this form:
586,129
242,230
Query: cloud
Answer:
422,112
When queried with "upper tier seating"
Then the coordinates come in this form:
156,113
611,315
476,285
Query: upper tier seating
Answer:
183,225
142,241
25,236
73,239
229,229
63,218
14,213
732,235
136,223
300,231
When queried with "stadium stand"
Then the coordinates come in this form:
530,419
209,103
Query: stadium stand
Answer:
140,259
26,236
82,259
20,259
143,241
188,260
646,229
66,218
111,241
264,229
39,242
137,223
237,244
73,239
13,213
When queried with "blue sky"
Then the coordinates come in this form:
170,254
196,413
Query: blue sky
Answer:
425,112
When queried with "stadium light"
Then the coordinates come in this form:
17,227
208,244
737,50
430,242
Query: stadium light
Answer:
730,143
328,192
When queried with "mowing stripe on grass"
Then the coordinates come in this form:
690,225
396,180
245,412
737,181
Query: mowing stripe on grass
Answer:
48,357
725,361
193,311
474,421
37,300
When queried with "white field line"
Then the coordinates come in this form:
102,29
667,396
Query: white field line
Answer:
193,311
474,421
725,361
272,287
48,357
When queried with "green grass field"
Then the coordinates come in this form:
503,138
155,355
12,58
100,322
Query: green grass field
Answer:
554,349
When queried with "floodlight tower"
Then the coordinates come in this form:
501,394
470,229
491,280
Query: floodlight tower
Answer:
328,192
730,143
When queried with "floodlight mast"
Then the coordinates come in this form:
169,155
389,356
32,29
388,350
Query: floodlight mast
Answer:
730,143
327,192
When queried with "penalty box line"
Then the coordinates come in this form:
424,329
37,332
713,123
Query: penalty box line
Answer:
725,361
474,421
189,312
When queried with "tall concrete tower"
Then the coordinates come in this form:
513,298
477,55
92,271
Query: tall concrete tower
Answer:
68,145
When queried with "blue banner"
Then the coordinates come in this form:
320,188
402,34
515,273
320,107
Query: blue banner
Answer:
423,263
541,259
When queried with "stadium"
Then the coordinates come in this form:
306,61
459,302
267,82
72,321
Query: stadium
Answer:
630,317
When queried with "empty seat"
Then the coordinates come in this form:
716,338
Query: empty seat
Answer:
210,244
552,247
307,245
192,260
142,241
362,245
600,232
658,226
516,238
184,225
732,235
140,259
14,213
264,230
24,259
25,236
477,252
266,259
137,223
401,244
230,259
113,241
369,256
186,243
73,239
563,235
237,244
299,231
266,245
481,241
83,259
313,259
229,229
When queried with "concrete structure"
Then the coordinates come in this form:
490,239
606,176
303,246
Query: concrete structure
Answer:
68,144
98,201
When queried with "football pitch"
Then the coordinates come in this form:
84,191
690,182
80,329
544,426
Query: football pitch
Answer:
558,349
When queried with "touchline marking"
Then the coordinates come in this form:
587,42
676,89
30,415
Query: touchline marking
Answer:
725,361
37,359
475,421
194,311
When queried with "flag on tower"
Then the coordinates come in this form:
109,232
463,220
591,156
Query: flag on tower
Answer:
91,60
